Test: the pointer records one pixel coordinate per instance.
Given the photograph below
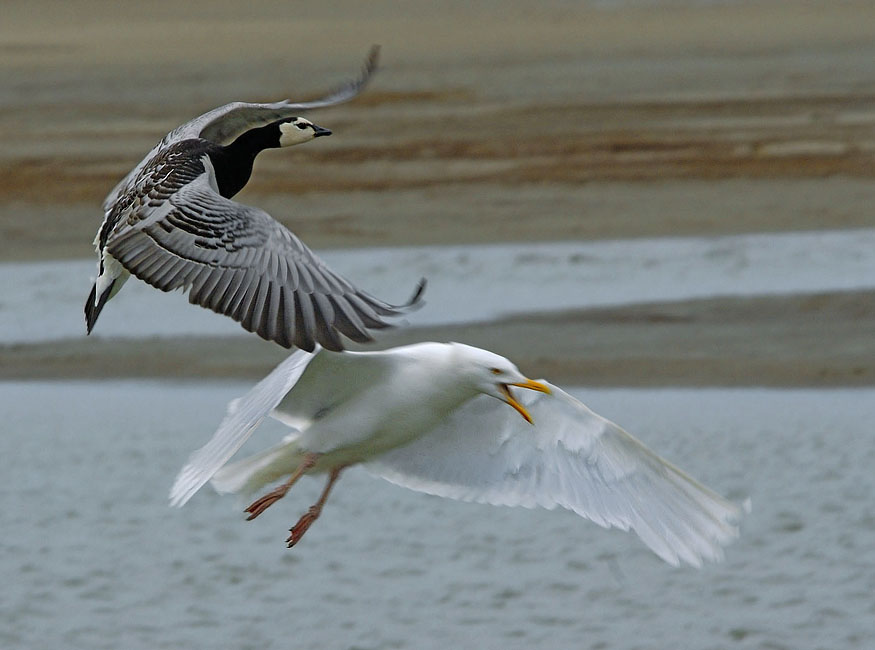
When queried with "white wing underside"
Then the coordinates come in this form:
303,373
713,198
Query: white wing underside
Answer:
243,417
484,452
223,124
332,377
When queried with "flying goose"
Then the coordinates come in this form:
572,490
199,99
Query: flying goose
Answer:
171,222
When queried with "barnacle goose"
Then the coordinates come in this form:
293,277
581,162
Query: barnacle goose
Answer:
171,223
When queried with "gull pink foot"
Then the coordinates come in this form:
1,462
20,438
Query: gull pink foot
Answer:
265,502
262,504
297,531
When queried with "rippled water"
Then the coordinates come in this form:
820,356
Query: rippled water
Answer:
43,301
92,556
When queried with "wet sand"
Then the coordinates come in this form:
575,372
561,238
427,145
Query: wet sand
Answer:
814,340
556,122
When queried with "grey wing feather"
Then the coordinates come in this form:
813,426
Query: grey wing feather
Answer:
484,452
243,417
223,124
239,261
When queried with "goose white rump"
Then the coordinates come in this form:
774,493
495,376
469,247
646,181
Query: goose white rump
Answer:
433,417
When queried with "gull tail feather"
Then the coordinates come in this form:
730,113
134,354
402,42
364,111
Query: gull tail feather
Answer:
252,473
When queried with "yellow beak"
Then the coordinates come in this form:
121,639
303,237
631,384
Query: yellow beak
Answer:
531,385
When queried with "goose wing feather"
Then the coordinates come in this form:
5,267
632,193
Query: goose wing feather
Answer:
223,124
239,261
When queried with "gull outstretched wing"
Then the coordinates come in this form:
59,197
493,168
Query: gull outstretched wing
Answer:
574,458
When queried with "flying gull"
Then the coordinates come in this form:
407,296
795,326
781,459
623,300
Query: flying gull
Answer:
432,417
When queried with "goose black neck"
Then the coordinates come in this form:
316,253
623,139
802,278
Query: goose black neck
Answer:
233,163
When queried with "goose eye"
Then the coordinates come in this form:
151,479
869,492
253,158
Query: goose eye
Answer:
301,126
495,371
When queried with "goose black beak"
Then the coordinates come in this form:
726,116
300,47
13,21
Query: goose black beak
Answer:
319,131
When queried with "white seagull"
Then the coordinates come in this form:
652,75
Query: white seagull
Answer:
432,417
171,222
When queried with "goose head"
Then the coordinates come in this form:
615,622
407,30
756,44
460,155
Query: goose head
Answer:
298,130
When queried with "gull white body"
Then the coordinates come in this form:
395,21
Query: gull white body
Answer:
350,408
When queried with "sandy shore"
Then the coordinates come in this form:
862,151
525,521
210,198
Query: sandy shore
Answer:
814,340
559,121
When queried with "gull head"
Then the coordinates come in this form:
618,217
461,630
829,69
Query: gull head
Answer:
494,375
298,130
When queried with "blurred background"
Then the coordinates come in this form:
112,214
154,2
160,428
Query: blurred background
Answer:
665,206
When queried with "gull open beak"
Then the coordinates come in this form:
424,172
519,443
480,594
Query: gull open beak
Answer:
531,385
318,131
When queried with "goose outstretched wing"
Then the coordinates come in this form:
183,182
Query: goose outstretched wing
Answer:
223,124
239,261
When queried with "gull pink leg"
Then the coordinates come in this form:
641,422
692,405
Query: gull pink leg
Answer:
262,504
297,531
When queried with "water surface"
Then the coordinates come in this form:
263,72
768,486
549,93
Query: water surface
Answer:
43,301
92,556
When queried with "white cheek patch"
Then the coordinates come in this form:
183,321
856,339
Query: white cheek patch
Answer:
291,134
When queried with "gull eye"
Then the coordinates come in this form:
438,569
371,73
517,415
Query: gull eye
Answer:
495,371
